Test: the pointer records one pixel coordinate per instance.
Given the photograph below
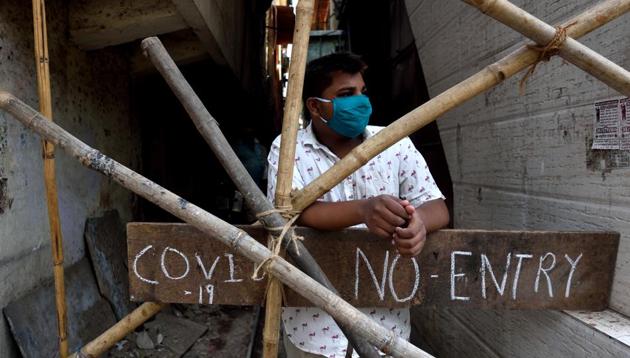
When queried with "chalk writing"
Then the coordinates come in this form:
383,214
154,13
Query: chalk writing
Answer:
173,259
471,269
486,263
545,272
416,283
380,288
135,266
517,275
209,290
231,265
207,274
573,266
388,276
163,263
454,275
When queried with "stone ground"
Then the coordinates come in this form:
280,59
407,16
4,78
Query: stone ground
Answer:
222,331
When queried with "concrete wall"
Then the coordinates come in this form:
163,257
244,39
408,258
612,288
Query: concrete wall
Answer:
521,162
91,100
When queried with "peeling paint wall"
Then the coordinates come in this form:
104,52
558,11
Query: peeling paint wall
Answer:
524,162
91,100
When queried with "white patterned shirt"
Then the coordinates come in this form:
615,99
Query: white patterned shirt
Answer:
400,171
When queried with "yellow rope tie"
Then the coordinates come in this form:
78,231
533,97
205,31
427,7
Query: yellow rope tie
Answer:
275,242
545,52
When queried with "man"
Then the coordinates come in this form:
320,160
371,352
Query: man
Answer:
393,195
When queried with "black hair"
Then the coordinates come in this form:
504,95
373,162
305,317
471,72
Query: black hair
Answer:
319,72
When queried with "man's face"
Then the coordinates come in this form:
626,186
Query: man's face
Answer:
343,85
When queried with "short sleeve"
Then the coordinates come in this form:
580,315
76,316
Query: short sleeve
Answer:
272,171
416,182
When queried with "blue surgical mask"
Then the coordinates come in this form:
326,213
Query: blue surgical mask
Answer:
350,115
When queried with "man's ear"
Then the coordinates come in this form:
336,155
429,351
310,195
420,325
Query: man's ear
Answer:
311,106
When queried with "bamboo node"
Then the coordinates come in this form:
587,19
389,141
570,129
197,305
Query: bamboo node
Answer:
238,238
546,52
484,6
497,71
32,118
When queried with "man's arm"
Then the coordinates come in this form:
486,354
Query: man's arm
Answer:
331,216
434,214
382,214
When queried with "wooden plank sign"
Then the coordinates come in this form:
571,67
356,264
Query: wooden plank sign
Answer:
466,268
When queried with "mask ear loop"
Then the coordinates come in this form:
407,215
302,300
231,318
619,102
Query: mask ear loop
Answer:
323,100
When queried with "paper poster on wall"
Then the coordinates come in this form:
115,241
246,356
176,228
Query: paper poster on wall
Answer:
607,123
624,118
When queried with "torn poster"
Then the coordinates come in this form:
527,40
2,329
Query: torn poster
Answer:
624,124
607,123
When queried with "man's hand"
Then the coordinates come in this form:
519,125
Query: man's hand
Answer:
410,240
383,214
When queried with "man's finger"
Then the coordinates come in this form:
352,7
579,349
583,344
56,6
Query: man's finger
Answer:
413,251
404,243
390,217
406,233
382,228
381,233
415,226
405,252
395,207
385,226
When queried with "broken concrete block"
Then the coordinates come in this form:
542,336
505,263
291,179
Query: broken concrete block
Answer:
179,334
107,244
33,321
231,331
143,341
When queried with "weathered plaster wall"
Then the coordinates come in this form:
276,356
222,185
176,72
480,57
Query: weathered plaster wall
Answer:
520,162
91,100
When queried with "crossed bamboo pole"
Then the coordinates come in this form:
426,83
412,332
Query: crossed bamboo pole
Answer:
290,125
48,150
254,197
489,77
237,239
480,82
540,32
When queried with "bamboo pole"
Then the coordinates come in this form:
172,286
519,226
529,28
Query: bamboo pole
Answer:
45,107
480,82
101,344
234,238
571,50
290,125
254,197
293,106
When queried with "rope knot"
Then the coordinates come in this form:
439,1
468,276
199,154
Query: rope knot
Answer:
546,52
275,240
